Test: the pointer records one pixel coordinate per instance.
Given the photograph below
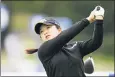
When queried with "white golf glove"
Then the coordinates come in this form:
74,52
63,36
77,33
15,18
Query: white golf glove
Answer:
96,14
99,11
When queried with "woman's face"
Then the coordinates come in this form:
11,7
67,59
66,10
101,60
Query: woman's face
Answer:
48,32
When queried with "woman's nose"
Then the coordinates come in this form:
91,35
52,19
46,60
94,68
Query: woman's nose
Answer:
45,32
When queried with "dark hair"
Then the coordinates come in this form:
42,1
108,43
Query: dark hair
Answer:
31,51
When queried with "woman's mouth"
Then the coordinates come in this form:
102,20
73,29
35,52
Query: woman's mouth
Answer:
47,36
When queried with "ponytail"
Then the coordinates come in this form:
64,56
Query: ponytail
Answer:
31,51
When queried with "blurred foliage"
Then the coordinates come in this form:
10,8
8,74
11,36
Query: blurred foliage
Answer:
75,10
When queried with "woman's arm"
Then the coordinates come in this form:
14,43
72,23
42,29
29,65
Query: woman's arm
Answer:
49,48
95,42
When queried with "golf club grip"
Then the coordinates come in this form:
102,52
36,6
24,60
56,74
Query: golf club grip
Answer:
98,8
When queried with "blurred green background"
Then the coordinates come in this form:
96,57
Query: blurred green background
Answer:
76,10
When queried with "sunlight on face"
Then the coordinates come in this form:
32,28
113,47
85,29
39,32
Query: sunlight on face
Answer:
48,32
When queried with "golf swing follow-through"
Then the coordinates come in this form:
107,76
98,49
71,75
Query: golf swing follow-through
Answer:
61,58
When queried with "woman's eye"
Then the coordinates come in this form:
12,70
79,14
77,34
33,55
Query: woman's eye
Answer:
48,27
41,31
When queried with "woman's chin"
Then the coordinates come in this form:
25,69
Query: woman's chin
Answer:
49,38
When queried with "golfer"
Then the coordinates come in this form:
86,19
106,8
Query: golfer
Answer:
61,58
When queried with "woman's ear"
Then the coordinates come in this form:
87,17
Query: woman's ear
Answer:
60,30
41,38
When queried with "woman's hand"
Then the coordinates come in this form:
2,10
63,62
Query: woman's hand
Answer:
91,17
99,13
96,14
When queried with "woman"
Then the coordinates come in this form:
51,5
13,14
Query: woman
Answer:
63,59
